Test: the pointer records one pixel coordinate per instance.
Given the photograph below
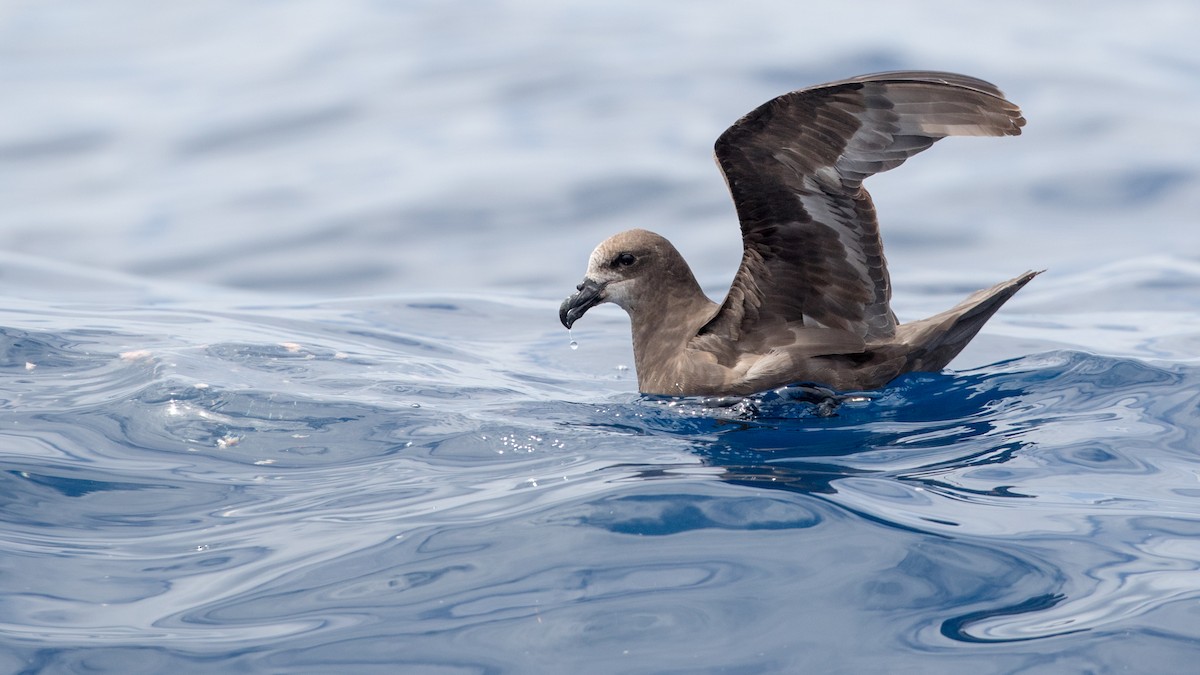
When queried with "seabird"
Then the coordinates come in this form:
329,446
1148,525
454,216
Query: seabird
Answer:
810,302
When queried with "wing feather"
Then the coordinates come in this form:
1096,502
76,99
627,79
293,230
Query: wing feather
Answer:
795,167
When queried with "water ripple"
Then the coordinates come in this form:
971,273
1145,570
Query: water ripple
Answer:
331,484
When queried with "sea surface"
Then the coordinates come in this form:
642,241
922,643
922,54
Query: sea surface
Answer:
283,388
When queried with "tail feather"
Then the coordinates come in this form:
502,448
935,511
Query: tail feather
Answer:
937,340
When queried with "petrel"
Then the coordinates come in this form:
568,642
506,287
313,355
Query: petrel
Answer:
810,302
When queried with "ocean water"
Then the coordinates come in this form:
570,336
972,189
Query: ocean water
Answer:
283,389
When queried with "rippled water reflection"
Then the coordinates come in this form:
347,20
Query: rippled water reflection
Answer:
194,479
319,486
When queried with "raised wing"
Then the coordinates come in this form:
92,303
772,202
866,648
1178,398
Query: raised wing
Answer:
795,167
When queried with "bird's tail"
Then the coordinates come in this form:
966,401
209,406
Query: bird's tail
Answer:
935,341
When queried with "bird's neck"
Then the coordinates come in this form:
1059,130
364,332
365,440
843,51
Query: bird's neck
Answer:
663,327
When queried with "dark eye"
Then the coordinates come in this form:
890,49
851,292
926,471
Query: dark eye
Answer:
624,260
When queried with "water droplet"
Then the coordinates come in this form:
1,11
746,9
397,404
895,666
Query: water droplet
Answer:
574,344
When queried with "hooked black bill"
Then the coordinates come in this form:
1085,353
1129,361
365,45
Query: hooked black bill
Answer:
589,294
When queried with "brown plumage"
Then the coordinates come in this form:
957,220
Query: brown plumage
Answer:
811,300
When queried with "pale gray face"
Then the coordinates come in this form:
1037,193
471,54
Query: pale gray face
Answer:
616,269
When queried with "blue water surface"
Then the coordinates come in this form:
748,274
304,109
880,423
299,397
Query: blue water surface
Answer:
322,488
283,389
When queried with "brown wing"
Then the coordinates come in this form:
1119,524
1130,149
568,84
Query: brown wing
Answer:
795,167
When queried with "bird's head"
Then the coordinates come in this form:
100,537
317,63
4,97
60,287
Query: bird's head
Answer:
622,270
